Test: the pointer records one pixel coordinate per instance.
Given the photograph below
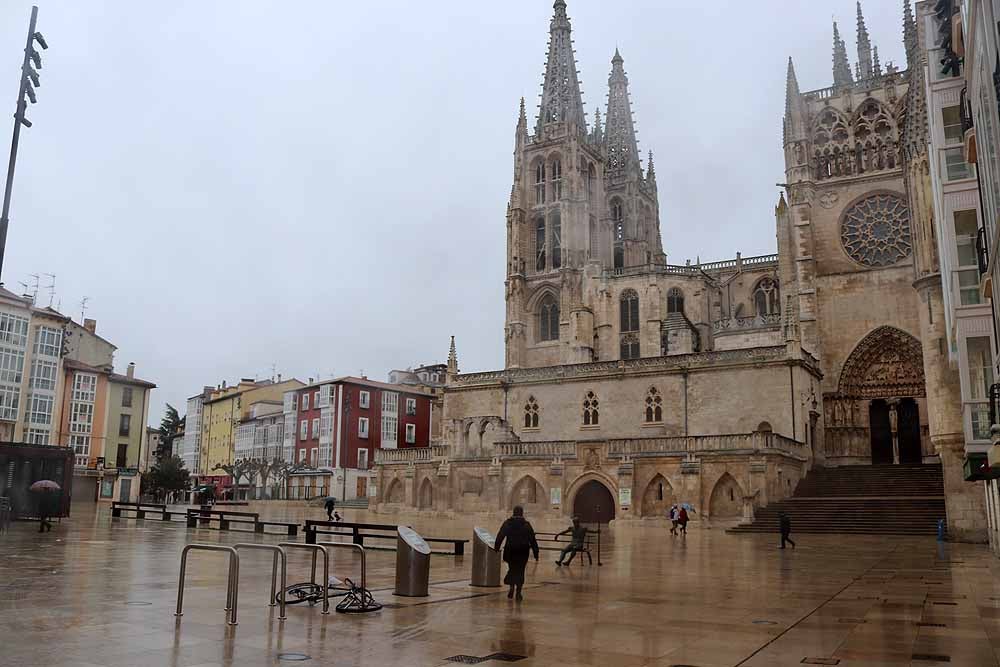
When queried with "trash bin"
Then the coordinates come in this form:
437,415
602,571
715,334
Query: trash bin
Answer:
413,563
485,559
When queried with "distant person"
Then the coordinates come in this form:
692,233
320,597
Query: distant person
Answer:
682,520
44,512
674,515
520,538
785,525
331,512
578,539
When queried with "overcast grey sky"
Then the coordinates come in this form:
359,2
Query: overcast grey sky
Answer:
322,185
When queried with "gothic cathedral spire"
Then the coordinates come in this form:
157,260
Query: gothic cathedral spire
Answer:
561,98
619,132
865,65
841,68
795,116
909,35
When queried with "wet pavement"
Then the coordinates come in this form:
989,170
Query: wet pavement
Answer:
102,591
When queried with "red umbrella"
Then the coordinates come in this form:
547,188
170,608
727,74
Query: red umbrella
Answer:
44,485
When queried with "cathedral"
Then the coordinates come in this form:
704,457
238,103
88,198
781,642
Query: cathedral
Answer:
630,383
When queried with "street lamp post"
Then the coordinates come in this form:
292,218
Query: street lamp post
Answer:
26,89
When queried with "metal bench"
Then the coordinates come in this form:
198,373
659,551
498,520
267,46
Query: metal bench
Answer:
196,517
140,509
592,543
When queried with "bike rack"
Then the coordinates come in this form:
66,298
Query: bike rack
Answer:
351,603
232,589
278,553
326,569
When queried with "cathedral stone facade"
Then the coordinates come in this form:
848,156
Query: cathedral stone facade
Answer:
631,383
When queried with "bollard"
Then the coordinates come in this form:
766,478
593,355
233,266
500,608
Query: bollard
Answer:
413,563
485,559
941,530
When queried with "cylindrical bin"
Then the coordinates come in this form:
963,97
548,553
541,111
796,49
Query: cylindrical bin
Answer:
485,559
413,563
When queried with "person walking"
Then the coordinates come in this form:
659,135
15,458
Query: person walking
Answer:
520,539
331,512
785,525
578,538
682,520
673,514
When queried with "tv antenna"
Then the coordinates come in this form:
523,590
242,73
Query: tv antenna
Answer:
51,287
83,308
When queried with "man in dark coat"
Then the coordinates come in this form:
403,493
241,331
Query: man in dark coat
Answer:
520,538
785,524
331,513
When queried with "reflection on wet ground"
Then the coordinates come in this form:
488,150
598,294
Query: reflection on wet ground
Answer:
97,591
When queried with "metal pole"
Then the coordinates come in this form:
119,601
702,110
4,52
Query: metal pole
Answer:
18,115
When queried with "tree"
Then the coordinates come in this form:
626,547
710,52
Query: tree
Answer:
167,476
171,424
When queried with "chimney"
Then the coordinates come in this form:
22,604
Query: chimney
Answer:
310,380
223,384
279,378
90,325
130,372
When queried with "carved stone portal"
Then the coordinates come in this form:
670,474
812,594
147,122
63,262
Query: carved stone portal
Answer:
886,363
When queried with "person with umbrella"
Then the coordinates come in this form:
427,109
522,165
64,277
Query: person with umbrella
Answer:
48,489
683,518
330,507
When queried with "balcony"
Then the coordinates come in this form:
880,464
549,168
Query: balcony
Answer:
402,456
753,322
642,447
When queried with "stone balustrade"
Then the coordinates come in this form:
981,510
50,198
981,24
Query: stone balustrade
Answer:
547,449
413,455
766,321
705,443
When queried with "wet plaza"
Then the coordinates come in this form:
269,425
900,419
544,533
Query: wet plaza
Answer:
102,591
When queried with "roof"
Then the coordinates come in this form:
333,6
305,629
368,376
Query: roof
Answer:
52,312
7,294
124,379
364,382
236,391
80,366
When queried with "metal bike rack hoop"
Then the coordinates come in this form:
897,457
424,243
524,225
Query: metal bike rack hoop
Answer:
232,590
279,553
326,569
365,605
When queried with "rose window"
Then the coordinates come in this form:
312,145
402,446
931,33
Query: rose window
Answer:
876,231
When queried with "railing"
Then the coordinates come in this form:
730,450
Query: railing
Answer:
412,455
546,449
704,443
765,321
691,269
232,588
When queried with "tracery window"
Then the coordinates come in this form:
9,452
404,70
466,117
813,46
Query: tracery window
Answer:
556,180
540,183
531,413
556,240
618,232
675,300
540,244
548,319
629,319
654,406
874,138
591,414
876,230
630,346
831,140
765,297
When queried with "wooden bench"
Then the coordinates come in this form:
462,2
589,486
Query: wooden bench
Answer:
140,509
359,532
196,517
552,539
291,529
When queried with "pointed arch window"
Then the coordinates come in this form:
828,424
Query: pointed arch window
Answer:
556,225
540,183
630,346
618,232
591,412
629,310
531,413
548,319
654,406
591,175
540,244
675,300
765,297
556,180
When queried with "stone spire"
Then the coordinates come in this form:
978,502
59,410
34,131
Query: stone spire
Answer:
909,34
795,116
597,134
452,359
522,127
561,98
876,65
864,47
841,68
619,135
650,171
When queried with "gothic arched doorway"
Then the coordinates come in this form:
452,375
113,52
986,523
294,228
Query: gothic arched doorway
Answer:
594,503
881,432
908,430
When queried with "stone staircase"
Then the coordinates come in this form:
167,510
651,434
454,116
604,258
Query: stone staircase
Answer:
883,499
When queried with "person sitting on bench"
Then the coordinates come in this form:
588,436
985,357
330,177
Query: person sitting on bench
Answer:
577,543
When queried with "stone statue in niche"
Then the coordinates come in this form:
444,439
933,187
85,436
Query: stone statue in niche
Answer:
591,460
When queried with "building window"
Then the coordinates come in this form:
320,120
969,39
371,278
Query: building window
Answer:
654,406
540,244
540,183
124,425
40,409
126,397
591,415
10,400
675,300
305,402
13,330
556,241
531,413
304,429
411,406
12,368
966,228
37,436
955,166
362,427
980,379
628,309
121,460
952,120
364,399
630,346
315,428
618,232
390,419
548,319
411,434
765,297
362,459
556,180
81,447
48,341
